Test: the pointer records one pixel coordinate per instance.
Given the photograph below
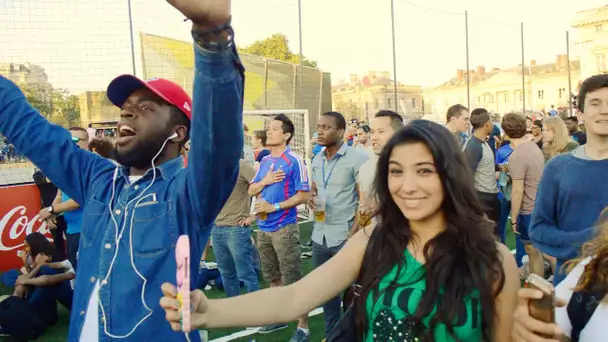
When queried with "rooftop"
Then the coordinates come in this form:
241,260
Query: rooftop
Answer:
480,74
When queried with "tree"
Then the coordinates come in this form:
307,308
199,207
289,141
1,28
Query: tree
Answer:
40,96
276,47
57,105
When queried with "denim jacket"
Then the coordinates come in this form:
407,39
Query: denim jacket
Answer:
185,200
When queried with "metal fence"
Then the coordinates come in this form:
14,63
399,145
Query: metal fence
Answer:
269,84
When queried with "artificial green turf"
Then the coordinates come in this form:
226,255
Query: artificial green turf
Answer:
58,333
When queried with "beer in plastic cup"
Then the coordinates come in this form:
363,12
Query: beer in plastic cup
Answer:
320,208
364,218
261,216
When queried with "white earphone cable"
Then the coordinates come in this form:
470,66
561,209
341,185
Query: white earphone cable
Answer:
118,238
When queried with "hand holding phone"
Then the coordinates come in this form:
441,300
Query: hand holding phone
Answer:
182,258
542,309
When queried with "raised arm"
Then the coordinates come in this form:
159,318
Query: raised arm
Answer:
48,146
216,131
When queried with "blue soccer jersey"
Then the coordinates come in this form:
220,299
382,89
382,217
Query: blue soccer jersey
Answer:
296,179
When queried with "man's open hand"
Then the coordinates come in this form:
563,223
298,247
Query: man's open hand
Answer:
204,13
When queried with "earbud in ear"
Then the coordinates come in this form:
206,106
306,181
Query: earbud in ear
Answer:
174,135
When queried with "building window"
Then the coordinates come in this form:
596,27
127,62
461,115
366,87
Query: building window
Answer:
366,106
389,103
488,98
541,94
506,97
562,91
600,62
598,28
413,103
377,104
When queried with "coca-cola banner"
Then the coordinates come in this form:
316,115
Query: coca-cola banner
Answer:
19,208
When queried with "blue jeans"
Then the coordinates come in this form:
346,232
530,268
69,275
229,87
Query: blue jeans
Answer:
72,242
505,208
523,226
332,309
233,251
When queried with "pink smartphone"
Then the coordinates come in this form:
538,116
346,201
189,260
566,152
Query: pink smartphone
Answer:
182,258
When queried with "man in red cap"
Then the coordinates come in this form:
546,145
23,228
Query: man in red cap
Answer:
134,213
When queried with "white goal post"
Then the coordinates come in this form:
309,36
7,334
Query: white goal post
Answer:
300,144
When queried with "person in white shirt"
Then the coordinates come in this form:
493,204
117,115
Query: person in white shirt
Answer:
92,132
383,126
582,306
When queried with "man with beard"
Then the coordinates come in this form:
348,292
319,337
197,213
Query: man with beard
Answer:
134,214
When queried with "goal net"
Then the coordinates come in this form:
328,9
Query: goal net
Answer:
300,144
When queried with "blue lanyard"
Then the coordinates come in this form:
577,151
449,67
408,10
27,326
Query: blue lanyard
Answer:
326,180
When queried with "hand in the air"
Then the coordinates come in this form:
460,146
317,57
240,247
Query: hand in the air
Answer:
199,306
204,13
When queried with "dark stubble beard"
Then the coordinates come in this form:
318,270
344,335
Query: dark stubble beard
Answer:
140,156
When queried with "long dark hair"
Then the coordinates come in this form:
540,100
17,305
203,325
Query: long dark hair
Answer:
40,245
459,260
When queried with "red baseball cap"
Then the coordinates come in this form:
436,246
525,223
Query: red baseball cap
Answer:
123,86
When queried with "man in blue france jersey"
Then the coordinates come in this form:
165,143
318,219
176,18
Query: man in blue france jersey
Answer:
134,213
281,184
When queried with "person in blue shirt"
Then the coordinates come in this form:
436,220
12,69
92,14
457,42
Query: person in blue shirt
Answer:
553,112
316,148
573,190
504,195
134,213
67,207
281,184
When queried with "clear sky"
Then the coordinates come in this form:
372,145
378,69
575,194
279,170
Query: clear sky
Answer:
84,43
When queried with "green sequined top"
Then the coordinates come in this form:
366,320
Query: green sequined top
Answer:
388,315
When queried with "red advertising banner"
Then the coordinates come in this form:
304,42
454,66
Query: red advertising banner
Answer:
19,208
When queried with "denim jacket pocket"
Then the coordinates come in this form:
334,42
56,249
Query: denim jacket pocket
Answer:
153,232
94,212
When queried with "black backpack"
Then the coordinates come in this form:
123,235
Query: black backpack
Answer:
20,320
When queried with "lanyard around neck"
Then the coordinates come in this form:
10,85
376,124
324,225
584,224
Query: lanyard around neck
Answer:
326,180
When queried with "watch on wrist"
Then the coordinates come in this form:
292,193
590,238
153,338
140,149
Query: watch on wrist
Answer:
50,209
513,223
277,206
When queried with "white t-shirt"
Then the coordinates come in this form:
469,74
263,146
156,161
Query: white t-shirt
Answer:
91,131
90,328
595,330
